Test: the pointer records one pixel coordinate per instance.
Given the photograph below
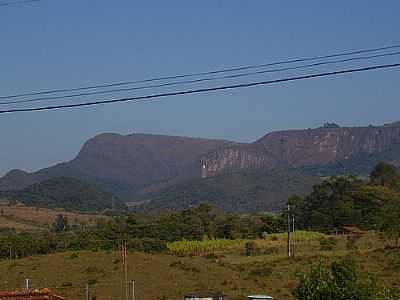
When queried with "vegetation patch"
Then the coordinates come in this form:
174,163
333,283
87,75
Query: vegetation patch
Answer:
197,248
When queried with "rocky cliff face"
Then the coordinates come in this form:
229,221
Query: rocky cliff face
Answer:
298,148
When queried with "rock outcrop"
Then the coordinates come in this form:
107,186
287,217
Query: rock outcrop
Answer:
298,148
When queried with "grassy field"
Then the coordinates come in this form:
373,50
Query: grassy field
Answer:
169,276
32,218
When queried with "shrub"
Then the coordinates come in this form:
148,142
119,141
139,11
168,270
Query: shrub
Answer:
340,281
328,244
351,243
147,245
261,270
211,256
184,267
92,281
251,248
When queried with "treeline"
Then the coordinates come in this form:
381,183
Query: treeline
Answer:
338,201
372,204
140,232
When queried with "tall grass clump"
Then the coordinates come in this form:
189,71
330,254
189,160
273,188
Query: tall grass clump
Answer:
186,247
297,236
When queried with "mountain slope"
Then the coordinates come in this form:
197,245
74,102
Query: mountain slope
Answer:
137,167
245,191
124,164
67,193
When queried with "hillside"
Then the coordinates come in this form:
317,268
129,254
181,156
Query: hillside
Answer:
230,272
123,164
246,191
163,169
66,193
22,218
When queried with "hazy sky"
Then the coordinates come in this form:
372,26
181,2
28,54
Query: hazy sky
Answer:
67,43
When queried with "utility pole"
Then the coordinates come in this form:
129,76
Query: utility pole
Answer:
27,284
125,269
87,292
10,249
288,230
293,222
133,289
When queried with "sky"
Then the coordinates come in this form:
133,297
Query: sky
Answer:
54,44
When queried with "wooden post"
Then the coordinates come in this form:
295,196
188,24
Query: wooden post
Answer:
288,230
126,273
87,292
133,289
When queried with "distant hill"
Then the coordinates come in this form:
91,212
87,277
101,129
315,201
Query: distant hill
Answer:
67,193
244,191
124,164
140,167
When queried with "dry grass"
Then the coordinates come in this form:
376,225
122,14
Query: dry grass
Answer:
169,276
22,217
7,223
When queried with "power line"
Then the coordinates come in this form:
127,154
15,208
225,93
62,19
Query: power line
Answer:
200,80
197,91
18,2
201,73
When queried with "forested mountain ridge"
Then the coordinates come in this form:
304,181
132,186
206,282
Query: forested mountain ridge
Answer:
164,170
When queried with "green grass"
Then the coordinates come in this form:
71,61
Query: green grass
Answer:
205,246
297,236
171,276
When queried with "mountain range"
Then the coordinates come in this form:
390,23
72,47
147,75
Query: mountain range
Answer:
165,171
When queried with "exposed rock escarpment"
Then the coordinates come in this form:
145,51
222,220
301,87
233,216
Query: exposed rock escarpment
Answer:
298,148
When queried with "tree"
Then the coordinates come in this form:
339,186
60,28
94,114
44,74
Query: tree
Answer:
329,205
384,174
369,201
331,125
61,223
390,217
340,281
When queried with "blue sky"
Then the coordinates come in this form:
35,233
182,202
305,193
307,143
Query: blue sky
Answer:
67,43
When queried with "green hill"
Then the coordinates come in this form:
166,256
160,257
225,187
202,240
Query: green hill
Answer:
245,191
65,192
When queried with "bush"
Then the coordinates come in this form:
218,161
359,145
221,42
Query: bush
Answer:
147,245
184,267
351,243
211,256
328,244
340,281
261,270
251,248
